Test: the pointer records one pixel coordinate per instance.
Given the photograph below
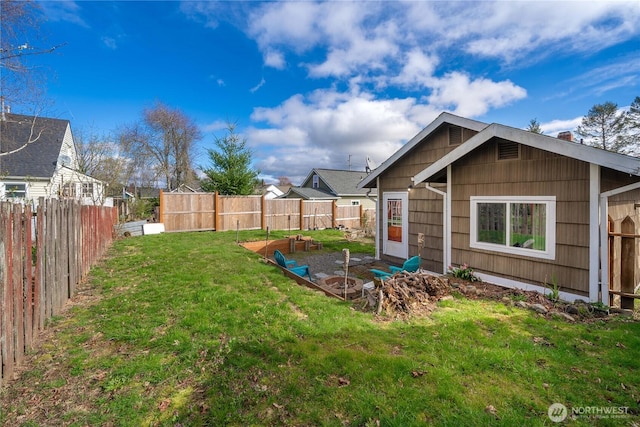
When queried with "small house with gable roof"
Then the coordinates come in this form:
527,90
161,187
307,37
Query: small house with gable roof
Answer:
524,210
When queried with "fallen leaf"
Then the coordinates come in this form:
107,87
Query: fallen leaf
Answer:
343,382
416,374
164,405
620,345
545,385
491,410
275,405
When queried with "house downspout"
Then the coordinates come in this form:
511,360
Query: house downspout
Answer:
445,233
378,215
604,237
375,200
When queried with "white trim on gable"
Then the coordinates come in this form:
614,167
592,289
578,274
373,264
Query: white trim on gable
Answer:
608,159
433,126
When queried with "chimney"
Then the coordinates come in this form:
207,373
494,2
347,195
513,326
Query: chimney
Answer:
566,136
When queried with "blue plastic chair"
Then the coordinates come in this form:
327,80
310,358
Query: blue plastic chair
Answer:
410,266
291,264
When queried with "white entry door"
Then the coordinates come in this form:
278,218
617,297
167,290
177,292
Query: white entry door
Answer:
395,228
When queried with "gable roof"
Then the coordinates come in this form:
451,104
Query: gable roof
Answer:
309,194
608,159
442,119
38,159
341,183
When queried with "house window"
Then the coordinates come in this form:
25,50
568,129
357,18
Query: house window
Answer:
316,181
355,203
15,190
87,189
516,225
69,190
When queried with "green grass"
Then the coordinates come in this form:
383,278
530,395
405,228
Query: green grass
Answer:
191,329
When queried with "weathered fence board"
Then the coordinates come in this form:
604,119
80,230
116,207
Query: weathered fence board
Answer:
69,239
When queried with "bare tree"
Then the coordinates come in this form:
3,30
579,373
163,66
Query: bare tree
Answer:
162,142
21,83
100,158
284,180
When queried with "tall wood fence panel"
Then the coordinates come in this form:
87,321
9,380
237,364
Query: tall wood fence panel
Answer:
281,214
239,212
43,256
188,211
210,211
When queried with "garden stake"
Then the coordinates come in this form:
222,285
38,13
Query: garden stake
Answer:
345,254
266,244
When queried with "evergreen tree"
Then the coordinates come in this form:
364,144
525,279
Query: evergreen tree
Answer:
633,127
534,126
230,172
605,127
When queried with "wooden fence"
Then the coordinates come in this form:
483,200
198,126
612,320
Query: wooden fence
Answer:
211,211
43,256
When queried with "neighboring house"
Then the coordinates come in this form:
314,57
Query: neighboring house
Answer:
338,185
38,159
272,191
523,210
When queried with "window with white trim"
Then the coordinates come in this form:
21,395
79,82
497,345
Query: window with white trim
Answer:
516,225
316,181
87,189
14,190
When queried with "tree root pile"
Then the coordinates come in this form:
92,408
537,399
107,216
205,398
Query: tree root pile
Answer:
406,294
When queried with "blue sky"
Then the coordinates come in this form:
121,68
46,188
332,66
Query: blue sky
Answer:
316,84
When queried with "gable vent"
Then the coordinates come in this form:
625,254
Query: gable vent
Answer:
508,150
455,135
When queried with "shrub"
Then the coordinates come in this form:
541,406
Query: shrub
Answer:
463,272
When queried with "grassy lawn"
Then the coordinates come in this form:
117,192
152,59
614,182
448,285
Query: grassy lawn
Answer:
192,330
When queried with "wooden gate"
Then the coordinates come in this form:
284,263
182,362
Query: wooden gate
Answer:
623,257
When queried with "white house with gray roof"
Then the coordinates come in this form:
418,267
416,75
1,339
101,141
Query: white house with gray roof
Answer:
38,159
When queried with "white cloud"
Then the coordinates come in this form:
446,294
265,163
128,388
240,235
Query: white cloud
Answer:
554,127
417,70
324,128
68,11
215,126
462,95
109,42
258,86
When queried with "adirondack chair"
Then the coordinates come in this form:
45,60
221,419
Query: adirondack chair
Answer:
411,266
291,264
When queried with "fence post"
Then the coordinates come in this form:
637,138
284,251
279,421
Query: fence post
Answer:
263,213
627,262
301,214
216,211
334,214
162,202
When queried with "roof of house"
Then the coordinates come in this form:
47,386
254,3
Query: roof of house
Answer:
39,158
309,194
608,159
340,182
442,119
